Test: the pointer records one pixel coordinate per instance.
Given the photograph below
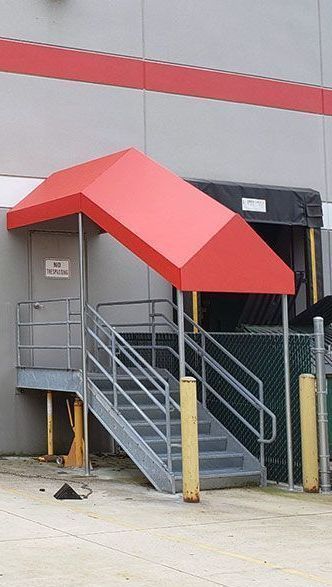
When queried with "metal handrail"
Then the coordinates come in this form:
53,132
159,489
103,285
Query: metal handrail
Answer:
140,363
153,302
207,359
105,402
68,322
254,401
126,344
117,343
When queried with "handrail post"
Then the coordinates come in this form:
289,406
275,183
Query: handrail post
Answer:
261,430
203,370
83,344
18,337
68,334
168,428
114,373
153,334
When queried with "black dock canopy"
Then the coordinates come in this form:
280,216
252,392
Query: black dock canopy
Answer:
269,204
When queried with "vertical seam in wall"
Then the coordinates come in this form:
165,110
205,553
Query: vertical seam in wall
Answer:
145,130
324,134
322,90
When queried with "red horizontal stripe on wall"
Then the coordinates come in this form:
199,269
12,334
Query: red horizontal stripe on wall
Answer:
100,68
71,64
327,101
218,85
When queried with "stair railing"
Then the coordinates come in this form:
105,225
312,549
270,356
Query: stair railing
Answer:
160,319
60,343
123,357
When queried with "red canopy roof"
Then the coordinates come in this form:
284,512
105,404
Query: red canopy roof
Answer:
191,240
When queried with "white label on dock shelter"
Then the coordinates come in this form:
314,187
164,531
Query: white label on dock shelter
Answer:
253,205
57,268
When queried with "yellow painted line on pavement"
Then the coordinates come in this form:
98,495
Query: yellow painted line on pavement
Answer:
177,539
245,558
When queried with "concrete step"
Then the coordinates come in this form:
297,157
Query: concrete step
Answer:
205,441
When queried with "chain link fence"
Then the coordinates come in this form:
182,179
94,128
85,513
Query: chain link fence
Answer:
263,355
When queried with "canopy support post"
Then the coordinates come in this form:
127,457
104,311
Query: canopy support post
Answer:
182,357
288,410
83,342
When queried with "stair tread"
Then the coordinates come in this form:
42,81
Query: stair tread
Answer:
209,454
200,437
233,472
162,422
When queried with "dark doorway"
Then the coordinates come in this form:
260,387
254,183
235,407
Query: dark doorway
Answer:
221,312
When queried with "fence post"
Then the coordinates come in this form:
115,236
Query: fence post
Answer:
189,435
309,441
322,417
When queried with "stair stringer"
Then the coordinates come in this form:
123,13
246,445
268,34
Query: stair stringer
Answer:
133,444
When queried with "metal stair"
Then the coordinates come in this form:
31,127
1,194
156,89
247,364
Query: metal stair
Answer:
138,402
223,461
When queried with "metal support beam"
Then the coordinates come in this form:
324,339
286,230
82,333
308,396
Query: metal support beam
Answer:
313,264
288,409
195,309
182,358
323,435
83,343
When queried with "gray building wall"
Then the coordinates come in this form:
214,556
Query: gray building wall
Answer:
48,124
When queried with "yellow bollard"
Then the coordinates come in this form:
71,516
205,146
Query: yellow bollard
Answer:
189,435
50,443
309,440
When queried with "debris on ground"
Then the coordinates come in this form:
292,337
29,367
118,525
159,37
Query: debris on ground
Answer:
66,492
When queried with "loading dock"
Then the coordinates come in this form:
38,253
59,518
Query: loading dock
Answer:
288,219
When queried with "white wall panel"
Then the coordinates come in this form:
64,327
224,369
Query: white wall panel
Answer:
112,26
116,274
327,215
326,251
328,159
272,38
14,189
326,28
207,139
48,124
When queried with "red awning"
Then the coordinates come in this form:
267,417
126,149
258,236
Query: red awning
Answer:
191,240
